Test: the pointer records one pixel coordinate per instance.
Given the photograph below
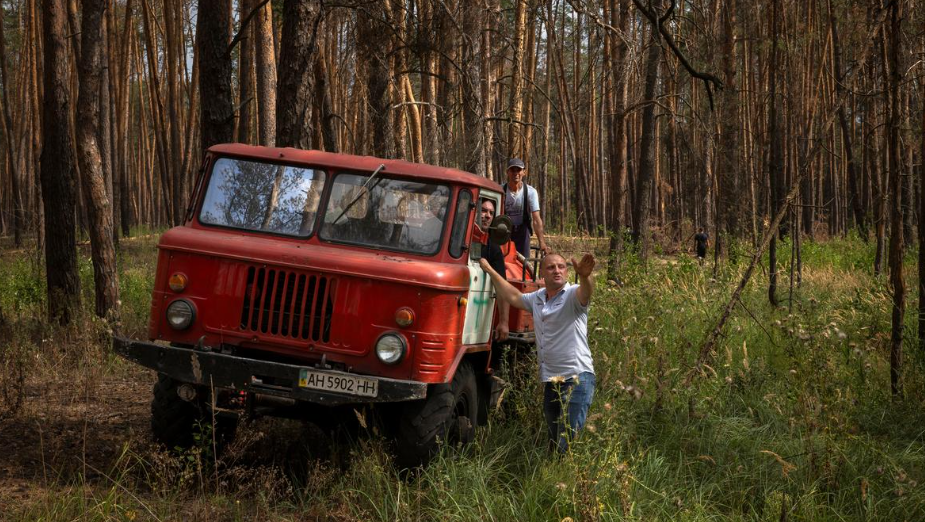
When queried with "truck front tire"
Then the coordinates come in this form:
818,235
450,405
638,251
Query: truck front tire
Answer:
447,416
174,421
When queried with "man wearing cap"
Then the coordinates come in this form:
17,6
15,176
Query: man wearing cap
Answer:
522,205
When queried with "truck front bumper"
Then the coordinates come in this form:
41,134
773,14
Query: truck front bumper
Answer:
219,370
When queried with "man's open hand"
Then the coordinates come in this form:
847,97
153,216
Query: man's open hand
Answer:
584,267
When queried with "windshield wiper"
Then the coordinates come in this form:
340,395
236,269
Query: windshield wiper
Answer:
360,192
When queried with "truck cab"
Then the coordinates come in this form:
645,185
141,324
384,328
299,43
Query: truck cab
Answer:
305,280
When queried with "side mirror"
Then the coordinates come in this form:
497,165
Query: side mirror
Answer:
500,230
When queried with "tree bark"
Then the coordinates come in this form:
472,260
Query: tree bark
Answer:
99,210
647,148
266,76
296,86
775,161
15,183
374,46
213,31
896,209
58,174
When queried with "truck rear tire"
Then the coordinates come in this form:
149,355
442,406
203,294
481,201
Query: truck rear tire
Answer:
174,421
446,416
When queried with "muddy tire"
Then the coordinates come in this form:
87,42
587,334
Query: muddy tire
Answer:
174,421
446,416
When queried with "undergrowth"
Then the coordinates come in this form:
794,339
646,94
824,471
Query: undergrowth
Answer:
790,419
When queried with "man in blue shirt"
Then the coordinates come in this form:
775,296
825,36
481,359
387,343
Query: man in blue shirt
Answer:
560,319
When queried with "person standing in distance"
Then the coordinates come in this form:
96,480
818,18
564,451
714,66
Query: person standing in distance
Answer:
701,239
560,317
522,205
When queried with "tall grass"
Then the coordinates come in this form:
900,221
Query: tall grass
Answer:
791,420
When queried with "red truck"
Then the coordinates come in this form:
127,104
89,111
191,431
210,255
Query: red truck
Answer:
303,281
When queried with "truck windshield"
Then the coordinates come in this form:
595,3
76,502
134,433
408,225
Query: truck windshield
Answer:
389,213
280,199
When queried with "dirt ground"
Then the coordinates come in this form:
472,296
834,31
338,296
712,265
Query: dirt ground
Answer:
65,431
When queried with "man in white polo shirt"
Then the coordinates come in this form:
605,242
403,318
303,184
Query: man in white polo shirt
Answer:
560,318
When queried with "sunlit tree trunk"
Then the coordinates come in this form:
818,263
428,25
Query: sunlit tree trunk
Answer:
266,75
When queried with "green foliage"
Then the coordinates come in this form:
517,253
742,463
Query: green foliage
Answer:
792,415
22,286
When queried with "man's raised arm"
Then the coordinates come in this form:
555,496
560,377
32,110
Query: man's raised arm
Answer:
584,270
505,290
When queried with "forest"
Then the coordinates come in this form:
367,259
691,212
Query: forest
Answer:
783,379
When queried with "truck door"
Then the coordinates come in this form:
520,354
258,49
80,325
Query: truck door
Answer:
479,312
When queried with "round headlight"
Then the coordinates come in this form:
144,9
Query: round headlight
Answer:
180,314
390,348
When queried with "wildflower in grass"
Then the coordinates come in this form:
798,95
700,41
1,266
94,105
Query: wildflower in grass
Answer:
561,486
557,379
607,406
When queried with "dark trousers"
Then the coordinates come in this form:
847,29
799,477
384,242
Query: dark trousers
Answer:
521,238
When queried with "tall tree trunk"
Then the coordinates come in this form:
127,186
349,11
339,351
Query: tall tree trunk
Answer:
646,170
266,76
775,161
516,147
921,218
296,74
246,77
173,33
896,209
616,93
213,32
374,49
17,199
93,184
58,170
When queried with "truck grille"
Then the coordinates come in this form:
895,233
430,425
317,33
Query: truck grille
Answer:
288,304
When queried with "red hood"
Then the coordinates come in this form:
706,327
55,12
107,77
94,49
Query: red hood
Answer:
318,257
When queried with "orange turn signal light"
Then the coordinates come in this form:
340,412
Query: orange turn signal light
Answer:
404,317
463,301
177,282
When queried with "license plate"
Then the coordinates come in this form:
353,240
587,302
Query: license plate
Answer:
338,383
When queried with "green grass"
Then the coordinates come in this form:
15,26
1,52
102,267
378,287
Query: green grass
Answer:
792,419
